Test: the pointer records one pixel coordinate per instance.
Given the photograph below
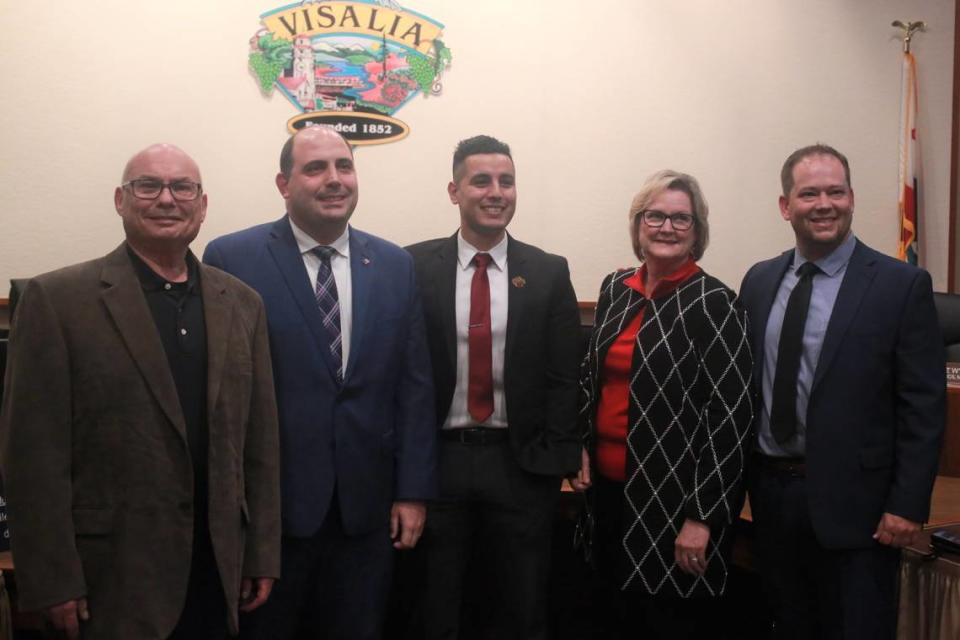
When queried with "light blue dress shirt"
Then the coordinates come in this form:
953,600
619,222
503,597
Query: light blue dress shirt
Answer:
826,286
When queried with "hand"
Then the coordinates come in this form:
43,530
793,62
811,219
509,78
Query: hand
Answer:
65,617
254,592
895,531
406,523
690,549
582,481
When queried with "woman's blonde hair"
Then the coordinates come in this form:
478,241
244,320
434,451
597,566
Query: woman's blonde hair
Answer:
668,180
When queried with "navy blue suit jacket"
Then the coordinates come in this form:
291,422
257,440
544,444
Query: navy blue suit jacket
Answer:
877,404
372,438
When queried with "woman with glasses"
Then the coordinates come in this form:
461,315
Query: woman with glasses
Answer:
666,411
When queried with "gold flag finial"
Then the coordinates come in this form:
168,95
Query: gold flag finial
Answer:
908,29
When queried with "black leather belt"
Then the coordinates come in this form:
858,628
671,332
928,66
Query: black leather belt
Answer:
793,467
474,435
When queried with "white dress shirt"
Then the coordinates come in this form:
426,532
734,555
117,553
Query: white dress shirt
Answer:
459,415
340,265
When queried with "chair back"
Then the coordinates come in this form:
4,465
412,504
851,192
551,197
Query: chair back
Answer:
948,312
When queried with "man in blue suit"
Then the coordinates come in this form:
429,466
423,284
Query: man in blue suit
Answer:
354,394
850,364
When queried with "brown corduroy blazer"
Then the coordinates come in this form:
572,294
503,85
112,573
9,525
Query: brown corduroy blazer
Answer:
94,452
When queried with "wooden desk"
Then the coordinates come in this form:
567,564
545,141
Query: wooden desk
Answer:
950,453
929,593
945,502
930,587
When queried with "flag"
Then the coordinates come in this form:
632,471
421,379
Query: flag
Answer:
909,164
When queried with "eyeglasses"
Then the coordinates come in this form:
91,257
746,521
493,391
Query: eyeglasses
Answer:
679,221
150,189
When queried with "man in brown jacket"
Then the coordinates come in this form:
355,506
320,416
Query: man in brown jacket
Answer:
138,432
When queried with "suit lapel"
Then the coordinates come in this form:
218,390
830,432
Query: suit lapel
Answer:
861,271
445,277
124,300
363,267
283,247
517,273
623,306
767,287
218,313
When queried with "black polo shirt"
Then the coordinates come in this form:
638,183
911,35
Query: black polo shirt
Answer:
177,309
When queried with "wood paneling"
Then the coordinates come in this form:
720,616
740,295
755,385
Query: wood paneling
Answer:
950,454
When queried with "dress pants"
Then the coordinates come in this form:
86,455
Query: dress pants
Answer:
492,509
331,586
204,615
815,592
635,613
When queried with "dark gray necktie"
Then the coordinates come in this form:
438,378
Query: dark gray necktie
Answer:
783,413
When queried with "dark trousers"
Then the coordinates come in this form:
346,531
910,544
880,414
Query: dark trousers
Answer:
489,508
815,592
204,615
634,613
332,586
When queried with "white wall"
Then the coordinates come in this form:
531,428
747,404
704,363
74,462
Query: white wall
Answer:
592,96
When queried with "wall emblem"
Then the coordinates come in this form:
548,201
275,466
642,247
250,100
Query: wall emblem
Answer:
349,65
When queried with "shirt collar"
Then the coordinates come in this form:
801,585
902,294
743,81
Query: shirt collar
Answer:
466,252
150,280
666,284
306,244
832,263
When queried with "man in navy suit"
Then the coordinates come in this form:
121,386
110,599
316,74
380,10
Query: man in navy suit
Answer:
850,364
503,328
354,393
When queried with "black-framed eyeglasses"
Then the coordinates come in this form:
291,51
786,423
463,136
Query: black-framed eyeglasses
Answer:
679,221
150,189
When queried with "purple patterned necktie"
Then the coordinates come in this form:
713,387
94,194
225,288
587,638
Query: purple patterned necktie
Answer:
329,304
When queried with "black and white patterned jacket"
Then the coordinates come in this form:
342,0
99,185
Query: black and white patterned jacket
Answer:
689,416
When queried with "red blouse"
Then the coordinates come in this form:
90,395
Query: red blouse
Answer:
614,404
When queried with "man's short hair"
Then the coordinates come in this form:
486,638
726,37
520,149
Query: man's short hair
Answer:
818,149
476,145
286,157
286,153
669,180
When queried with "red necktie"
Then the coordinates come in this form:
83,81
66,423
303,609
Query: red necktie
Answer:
480,339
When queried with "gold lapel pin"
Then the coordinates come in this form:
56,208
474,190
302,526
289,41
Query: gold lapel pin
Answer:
519,282
365,260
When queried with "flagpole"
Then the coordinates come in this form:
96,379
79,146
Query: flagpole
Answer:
908,246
